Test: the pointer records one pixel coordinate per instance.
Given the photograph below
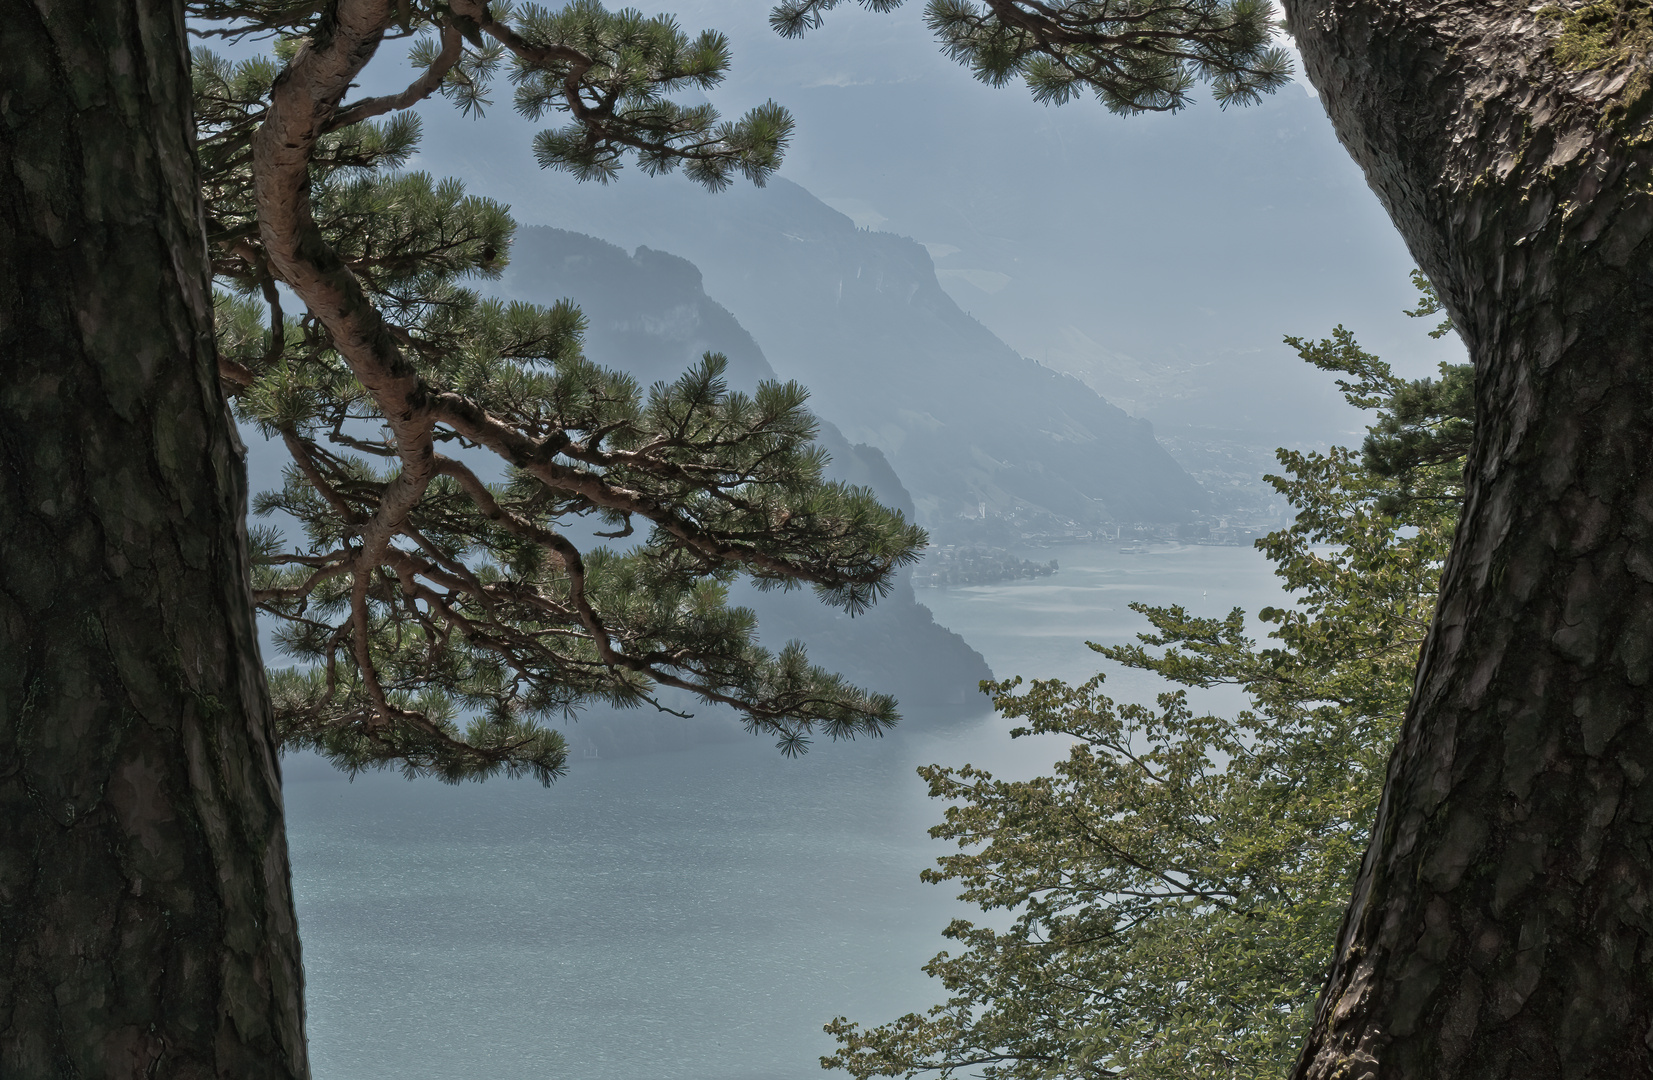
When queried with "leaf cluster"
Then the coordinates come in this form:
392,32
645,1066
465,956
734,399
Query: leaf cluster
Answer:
1133,55
1424,426
1173,888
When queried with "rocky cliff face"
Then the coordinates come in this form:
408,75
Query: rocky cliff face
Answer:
649,315
971,427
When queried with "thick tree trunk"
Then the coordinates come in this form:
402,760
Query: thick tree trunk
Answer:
146,920
1502,924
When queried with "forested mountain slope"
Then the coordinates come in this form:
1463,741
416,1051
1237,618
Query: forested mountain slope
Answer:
859,317
648,315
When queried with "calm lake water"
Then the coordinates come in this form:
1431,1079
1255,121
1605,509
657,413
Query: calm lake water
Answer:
683,916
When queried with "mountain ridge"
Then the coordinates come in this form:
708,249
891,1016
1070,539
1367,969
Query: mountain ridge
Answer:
647,314
972,427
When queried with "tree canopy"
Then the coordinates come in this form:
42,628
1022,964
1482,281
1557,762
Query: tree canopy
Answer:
1175,886
494,529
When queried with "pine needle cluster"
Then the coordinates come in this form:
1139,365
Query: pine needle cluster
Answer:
1134,55
479,530
1174,887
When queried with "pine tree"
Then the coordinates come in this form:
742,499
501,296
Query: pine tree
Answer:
450,452
1175,886
441,445
1497,928
146,920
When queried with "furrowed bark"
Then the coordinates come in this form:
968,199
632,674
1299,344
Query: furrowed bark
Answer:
1502,925
146,919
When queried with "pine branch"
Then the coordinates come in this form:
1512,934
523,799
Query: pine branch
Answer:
1134,55
426,594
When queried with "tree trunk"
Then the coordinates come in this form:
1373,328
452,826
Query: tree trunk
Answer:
146,919
1502,924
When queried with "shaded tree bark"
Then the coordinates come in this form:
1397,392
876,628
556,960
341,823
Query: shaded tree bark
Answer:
146,919
1502,924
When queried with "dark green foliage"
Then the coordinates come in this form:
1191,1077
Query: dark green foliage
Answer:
979,566
634,63
1423,427
1429,424
1134,55
1175,886
609,72
486,612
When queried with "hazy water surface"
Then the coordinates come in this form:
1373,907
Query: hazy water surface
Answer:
693,915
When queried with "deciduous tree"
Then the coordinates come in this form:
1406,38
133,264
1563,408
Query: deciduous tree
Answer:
1175,886
1499,926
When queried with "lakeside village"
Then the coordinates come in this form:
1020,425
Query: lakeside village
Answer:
983,557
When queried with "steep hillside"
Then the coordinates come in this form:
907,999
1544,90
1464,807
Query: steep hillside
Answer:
649,316
859,317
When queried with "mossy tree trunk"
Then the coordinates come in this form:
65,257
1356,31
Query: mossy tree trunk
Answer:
1502,924
146,919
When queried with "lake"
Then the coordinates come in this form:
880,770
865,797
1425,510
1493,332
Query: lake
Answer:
691,915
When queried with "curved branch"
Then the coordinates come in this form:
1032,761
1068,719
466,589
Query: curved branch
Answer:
303,107
578,62
453,47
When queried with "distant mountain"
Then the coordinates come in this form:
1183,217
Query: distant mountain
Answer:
859,318
649,316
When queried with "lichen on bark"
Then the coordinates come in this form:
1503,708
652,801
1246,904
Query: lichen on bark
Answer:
1601,35
1607,36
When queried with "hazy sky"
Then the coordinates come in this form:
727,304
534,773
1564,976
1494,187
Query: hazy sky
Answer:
1176,247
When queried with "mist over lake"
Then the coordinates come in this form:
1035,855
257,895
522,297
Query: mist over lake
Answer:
687,902
533,539
689,914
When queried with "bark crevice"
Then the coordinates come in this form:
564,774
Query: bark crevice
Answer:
146,919
1508,879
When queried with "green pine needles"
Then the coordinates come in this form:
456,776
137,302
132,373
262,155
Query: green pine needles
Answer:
1174,888
1133,55
625,65
492,531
